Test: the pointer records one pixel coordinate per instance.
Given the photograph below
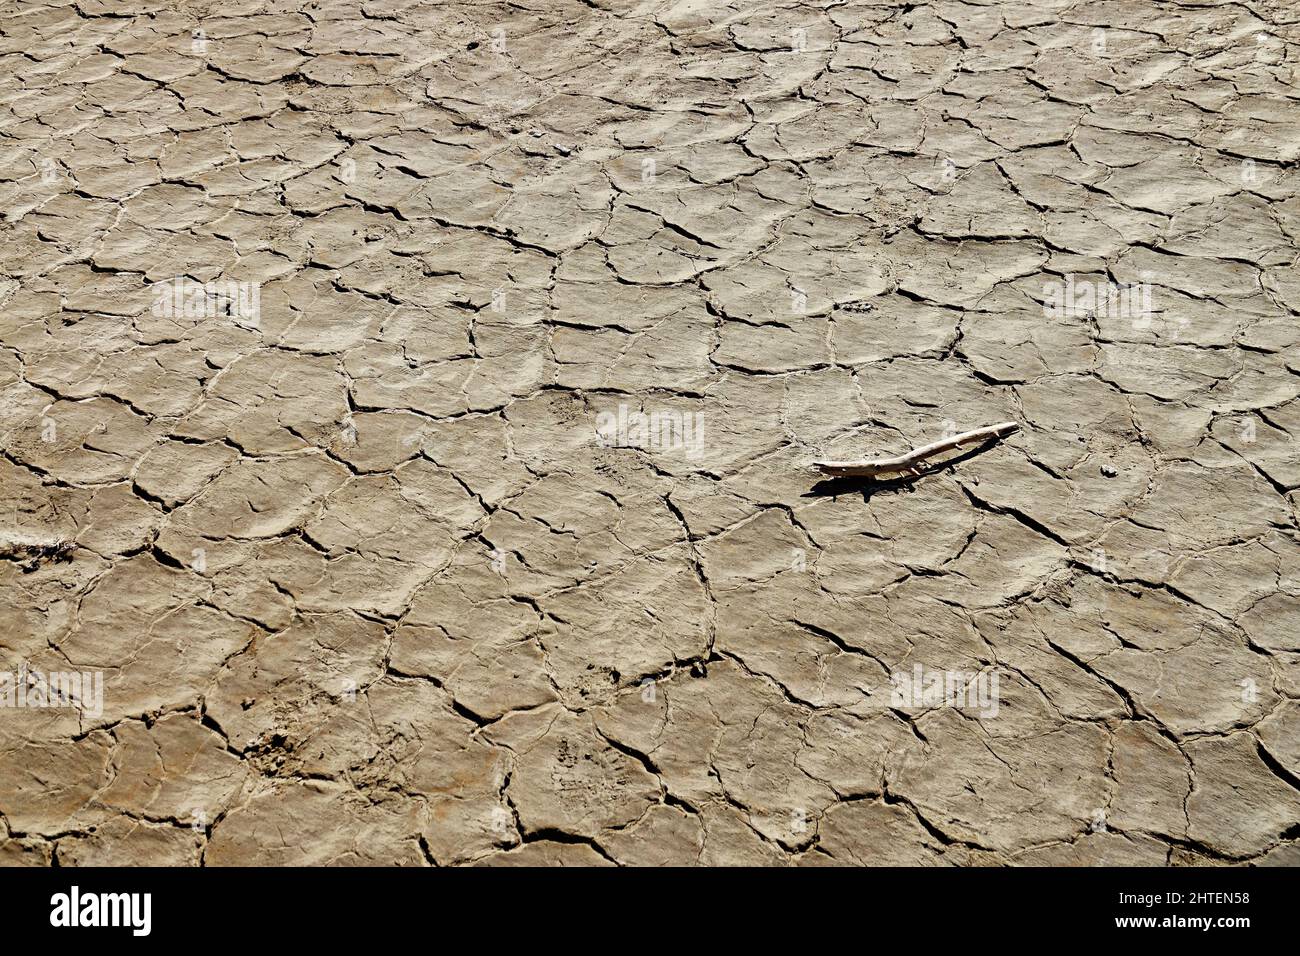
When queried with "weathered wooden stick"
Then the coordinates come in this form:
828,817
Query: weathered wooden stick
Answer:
913,458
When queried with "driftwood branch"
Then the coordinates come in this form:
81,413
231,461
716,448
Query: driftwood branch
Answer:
913,459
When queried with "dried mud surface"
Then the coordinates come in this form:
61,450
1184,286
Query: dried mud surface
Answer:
364,585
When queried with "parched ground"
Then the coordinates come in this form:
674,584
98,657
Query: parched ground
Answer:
371,580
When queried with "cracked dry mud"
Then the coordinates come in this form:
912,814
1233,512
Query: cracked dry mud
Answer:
366,586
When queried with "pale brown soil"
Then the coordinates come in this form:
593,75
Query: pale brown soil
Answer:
371,580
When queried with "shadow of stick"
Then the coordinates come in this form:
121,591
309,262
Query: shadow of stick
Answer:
872,485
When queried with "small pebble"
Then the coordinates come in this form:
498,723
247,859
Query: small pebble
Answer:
1108,471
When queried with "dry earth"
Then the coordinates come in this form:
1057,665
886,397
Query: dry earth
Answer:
378,571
